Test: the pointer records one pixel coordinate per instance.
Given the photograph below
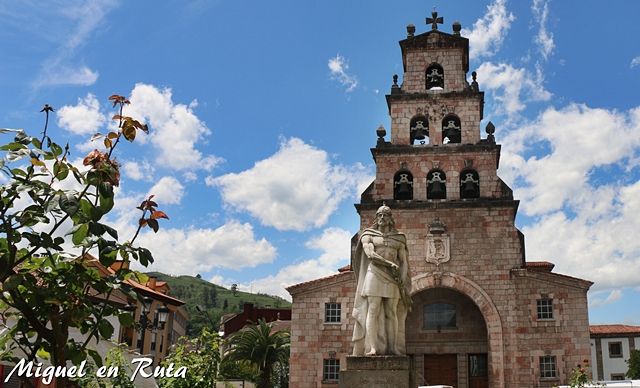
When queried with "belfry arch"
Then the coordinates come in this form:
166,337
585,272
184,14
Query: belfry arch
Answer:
471,290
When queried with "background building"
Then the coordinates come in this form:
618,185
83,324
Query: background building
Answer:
611,347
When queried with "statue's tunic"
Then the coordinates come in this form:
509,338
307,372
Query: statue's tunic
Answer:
377,280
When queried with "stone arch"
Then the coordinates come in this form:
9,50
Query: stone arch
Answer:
434,77
488,309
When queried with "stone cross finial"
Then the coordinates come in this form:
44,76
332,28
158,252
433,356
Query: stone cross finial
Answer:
434,20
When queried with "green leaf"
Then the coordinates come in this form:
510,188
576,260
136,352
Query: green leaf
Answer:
145,256
69,204
112,232
42,353
12,147
108,255
126,319
105,203
105,329
60,170
95,356
11,283
56,149
80,234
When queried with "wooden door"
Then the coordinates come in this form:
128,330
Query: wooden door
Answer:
441,369
478,371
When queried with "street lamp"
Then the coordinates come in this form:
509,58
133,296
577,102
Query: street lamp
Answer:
162,314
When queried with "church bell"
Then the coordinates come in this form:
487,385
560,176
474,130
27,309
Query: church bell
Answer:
469,189
437,190
404,191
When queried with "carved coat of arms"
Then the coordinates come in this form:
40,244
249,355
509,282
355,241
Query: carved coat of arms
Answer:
438,244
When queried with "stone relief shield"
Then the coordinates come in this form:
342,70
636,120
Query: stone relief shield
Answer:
438,250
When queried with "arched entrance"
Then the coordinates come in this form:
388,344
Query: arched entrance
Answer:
455,329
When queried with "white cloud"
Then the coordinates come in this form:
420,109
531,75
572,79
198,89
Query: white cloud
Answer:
544,38
176,128
57,74
338,67
138,170
581,139
586,228
335,245
199,250
167,191
190,176
635,62
84,118
597,301
81,19
511,87
295,189
488,32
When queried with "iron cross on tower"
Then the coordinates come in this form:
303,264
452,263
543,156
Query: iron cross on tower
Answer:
434,20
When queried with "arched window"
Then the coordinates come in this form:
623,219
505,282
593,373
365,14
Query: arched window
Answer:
451,130
438,316
435,77
403,185
469,184
436,185
419,130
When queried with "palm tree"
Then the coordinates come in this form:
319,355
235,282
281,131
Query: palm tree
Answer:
262,347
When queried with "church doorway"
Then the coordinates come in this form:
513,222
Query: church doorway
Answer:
478,372
441,369
447,330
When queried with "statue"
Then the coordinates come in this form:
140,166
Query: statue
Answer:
382,297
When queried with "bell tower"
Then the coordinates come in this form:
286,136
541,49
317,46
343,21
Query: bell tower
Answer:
435,153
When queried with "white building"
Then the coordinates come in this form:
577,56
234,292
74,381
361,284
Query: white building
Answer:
611,346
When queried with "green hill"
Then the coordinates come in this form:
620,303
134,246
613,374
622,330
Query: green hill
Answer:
213,300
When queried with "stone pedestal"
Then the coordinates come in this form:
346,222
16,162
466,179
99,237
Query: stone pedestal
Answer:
375,372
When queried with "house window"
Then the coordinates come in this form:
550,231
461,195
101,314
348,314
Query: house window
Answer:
330,369
545,308
615,349
439,316
548,366
332,312
617,376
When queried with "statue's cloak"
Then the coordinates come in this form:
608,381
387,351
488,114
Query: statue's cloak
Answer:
360,264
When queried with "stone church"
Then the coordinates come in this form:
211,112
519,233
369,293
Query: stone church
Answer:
482,315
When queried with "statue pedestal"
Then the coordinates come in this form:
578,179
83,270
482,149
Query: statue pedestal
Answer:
375,372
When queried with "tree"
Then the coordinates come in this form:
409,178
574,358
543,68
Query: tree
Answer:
261,347
634,365
47,206
201,357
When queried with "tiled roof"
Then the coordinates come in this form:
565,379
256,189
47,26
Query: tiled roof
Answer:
540,265
614,329
91,260
315,281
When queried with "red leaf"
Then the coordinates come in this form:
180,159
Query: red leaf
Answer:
142,222
153,224
158,214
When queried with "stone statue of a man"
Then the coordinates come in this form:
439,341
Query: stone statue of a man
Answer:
382,295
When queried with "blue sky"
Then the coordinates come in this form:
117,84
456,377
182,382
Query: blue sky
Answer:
263,113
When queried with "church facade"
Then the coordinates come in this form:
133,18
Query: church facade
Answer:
482,315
